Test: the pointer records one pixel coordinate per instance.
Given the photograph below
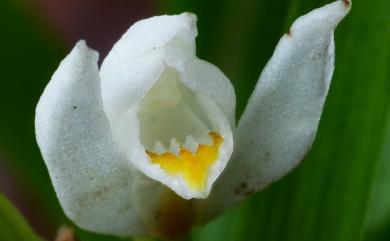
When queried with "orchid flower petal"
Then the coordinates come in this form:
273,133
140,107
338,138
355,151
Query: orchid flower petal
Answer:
280,121
165,107
93,181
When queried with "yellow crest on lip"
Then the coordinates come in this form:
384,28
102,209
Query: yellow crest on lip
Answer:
193,167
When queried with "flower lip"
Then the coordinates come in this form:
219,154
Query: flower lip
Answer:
191,125
191,165
135,65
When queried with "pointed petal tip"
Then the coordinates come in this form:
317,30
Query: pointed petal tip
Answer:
191,20
323,19
81,47
81,44
190,16
338,10
347,3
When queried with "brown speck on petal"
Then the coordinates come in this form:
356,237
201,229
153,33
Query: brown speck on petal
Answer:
289,33
249,193
347,2
241,189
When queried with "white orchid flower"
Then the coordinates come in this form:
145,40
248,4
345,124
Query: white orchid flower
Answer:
138,148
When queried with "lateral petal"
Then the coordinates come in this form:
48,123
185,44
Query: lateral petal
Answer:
93,181
280,121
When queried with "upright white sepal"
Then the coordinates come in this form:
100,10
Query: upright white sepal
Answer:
280,121
93,181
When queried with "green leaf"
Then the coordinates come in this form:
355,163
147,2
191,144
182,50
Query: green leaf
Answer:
378,218
12,224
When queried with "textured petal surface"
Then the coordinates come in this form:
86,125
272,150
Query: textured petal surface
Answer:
280,121
92,180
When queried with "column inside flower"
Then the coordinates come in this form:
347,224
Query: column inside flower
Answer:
176,131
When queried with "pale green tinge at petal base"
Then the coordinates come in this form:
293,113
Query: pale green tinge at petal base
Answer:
281,119
92,180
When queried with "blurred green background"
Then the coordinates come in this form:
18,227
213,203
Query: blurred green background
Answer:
341,192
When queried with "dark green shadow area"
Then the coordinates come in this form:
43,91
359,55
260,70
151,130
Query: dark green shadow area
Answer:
29,55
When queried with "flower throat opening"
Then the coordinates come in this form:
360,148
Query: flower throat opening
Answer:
176,132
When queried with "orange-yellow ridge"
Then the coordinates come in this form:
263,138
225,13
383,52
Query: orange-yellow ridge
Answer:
193,167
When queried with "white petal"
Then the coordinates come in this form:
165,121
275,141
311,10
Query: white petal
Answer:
138,59
134,65
93,181
154,49
280,122
206,78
